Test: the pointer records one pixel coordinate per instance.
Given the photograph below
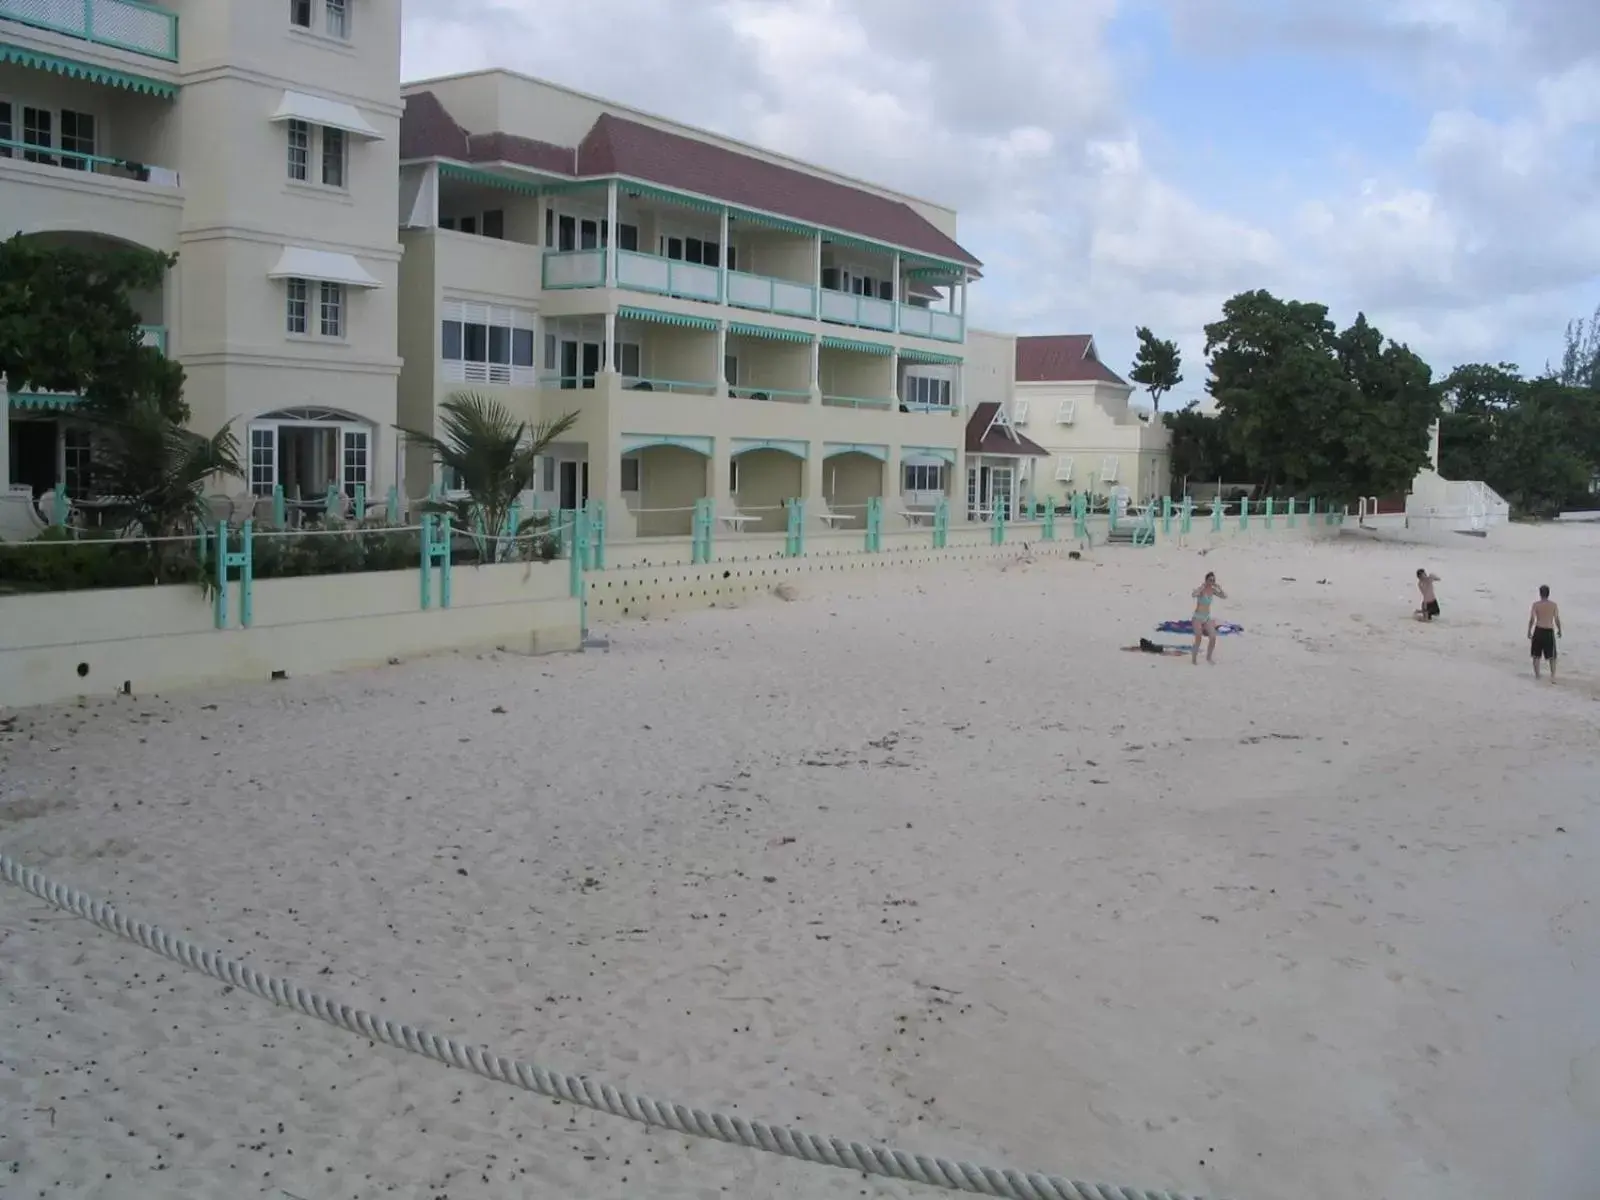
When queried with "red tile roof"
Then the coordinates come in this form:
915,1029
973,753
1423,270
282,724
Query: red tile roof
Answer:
616,146
1062,358
985,437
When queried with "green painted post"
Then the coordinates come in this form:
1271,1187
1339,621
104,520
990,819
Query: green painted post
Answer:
247,574
1269,512
1080,516
436,543
580,551
392,513
1166,516
597,535
997,527
1216,514
59,507
360,502
1291,512
219,597
1244,513
424,600
330,501
226,559
1049,532
280,509
941,524
874,524
1311,511
1111,514
1188,514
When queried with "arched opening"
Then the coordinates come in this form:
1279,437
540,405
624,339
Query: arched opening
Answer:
308,451
661,480
762,478
849,479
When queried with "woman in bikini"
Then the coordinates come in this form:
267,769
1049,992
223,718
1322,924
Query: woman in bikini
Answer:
1204,626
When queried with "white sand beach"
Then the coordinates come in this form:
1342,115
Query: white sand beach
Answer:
924,858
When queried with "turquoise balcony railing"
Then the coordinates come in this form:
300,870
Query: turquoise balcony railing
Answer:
121,24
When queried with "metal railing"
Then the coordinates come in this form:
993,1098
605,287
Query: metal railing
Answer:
759,392
766,294
644,383
837,401
121,24
88,164
930,323
846,308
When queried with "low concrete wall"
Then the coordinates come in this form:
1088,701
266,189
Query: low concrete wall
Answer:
654,577
60,645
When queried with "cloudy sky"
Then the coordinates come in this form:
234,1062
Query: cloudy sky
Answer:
1435,163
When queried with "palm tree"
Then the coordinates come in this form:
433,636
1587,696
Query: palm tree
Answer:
494,458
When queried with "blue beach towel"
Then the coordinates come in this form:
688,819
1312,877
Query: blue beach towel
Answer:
1223,627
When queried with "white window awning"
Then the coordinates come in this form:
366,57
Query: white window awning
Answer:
336,114
323,266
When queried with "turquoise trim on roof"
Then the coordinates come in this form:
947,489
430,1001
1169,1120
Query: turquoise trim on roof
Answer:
929,356
795,446
766,331
870,449
632,443
681,320
504,183
43,401
943,453
635,188
877,348
73,69
747,216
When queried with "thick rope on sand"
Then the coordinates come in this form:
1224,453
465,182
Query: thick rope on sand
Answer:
756,1135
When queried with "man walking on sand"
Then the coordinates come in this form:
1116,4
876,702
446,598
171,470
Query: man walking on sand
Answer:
1544,627
1430,603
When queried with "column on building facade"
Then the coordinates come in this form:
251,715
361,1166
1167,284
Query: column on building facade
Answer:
722,264
812,484
719,467
894,377
963,300
608,352
611,239
894,290
816,369
891,482
720,373
5,439
816,276
958,391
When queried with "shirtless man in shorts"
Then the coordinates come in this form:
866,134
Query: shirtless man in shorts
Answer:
1430,602
1544,627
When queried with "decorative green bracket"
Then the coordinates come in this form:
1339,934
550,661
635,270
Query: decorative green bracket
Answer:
1244,513
997,527
1216,514
1269,506
874,541
1166,516
1188,514
226,560
280,509
436,539
941,524
701,531
1080,515
60,506
597,536
580,551
1048,534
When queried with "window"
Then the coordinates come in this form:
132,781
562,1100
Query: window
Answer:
627,359
332,310
922,477
547,474
300,13
339,19
857,283
921,391
333,158
263,461
37,130
77,136
627,236
630,474
332,146
733,477
567,233
299,134
730,369
704,251
480,343
298,305
76,460
494,223
588,235
355,460
7,130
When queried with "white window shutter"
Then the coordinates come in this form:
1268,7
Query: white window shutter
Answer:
1019,412
1064,468
1066,411
1108,470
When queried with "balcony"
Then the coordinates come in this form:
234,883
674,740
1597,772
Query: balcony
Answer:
574,269
865,312
666,276
928,323
89,164
764,294
119,24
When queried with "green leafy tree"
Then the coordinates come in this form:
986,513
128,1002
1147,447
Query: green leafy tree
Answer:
154,474
1157,367
494,457
1475,397
1312,410
67,325
1201,448
1580,360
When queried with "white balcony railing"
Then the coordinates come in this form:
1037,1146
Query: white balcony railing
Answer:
121,24
867,312
930,323
770,295
666,276
574,268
